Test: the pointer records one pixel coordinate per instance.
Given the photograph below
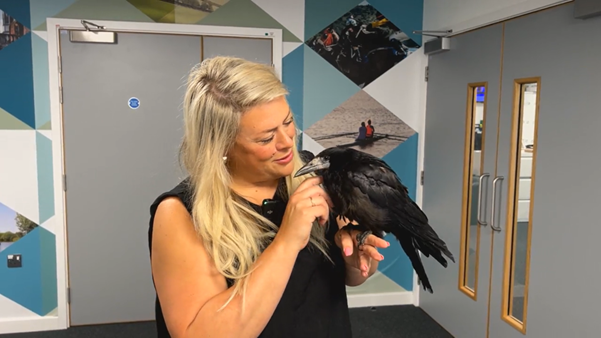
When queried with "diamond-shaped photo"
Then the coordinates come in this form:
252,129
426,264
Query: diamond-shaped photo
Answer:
13,226
361,123
177,11
10,30
362,44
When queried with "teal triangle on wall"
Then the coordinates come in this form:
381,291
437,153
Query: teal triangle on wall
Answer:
292,77
41,90
16,87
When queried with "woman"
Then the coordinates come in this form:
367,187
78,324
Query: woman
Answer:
226,265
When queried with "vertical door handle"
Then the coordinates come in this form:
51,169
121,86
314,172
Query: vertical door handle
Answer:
494,203
479,217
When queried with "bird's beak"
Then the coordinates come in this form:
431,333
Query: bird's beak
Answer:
317,163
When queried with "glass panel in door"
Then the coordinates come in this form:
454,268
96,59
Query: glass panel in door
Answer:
519,203
511,218
474,181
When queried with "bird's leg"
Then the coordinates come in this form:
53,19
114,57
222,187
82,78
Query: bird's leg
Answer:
361,236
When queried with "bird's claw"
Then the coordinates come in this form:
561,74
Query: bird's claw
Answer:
361,235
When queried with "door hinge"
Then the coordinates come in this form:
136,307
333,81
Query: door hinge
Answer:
426,73
69,295
422,178
60,65
64,182
60,94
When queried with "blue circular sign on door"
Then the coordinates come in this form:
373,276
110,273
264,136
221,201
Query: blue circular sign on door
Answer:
133,103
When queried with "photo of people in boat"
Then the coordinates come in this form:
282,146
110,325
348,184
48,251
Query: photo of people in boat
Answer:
361,123
362,44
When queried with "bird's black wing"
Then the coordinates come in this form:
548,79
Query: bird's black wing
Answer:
384,189
378,185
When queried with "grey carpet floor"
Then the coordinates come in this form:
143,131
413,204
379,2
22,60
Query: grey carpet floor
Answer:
381,322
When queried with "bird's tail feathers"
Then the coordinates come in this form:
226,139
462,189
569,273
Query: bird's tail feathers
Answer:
412,253
436,251
428,242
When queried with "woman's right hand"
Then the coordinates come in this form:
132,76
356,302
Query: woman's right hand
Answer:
308,203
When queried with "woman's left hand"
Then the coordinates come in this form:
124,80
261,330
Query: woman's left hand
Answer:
362,257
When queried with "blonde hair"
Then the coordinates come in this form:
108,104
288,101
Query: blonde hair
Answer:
219,91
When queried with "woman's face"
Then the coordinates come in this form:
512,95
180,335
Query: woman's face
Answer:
263,147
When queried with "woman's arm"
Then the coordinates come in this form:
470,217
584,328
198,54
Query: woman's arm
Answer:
191,290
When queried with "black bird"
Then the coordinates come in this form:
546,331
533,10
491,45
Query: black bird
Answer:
365,189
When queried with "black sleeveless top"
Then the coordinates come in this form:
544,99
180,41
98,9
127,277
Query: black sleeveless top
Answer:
314,303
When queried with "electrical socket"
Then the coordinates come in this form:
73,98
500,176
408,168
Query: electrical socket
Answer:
14,261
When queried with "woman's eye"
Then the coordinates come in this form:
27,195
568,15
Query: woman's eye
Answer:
267,140
288,123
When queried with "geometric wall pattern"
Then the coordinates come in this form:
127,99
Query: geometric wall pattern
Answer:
321,89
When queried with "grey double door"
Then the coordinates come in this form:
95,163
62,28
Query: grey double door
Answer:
122,128
511,178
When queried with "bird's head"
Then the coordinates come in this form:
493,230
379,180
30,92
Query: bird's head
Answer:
329,158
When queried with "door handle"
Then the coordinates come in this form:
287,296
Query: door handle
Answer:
494,203
479,216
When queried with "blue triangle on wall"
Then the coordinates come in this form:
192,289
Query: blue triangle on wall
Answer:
16,89
292,76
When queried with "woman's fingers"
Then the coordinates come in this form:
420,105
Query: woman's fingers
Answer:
313,191
364,263
346,242
371,252
309,182
319,207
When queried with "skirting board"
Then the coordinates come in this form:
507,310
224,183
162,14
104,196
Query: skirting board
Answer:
380,299
20,325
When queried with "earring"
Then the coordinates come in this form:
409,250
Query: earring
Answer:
224,158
